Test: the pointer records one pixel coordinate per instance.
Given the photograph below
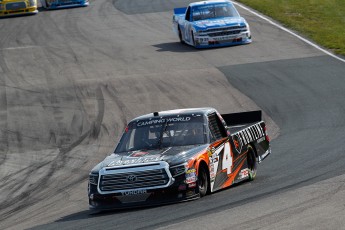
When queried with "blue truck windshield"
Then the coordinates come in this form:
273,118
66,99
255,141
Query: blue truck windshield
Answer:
162,132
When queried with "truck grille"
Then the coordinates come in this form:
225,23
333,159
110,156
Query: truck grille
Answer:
138,177
224,33
15,6
231,30
225,28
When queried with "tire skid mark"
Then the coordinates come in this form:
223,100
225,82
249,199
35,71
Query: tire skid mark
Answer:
123,110
3,111
71,26
96,125
6,38
11,203
35,193
167,90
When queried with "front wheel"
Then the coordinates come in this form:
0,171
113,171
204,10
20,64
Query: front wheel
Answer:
193,40
252,163
180,34
202,181
45,4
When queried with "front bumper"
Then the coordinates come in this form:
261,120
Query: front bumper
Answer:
230,40
29,10
175,193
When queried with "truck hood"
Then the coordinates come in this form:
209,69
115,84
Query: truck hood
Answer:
172,155
218,22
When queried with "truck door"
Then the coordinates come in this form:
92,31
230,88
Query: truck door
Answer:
221,158
187,25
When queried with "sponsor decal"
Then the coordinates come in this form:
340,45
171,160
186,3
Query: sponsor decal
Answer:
224,38
237,142
212,173
213,157
209,152
134,192
190,180
264,155
248,135
191,176
252,130
139,154
261,139
243,174
260,130
134,161
190,171
192,185
163,120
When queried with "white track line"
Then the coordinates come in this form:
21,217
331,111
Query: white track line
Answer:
290,32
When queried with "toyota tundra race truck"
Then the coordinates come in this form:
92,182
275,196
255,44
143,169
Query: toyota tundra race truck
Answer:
178,155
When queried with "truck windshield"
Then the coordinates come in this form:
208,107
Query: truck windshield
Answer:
210,11
162,132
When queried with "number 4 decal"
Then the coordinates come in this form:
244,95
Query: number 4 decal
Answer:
227,158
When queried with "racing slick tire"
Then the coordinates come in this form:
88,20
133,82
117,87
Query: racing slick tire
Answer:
252,163
203,181
194,43
180,35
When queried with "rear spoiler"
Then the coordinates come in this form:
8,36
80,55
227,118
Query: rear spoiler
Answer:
233,119
180,10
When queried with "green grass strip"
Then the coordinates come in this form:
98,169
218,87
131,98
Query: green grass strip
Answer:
322,21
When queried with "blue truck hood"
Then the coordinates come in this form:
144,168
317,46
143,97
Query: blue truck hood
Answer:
218,22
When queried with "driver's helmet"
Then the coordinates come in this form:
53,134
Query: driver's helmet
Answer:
156,130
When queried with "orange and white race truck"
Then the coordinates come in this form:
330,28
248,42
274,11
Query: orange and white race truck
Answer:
178,155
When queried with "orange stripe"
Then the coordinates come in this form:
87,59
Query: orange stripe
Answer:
240,156
231,178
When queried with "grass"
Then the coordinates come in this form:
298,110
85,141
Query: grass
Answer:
322,21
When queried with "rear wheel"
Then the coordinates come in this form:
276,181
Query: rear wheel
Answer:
252,163
203,181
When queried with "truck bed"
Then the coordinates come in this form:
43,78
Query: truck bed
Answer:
236,128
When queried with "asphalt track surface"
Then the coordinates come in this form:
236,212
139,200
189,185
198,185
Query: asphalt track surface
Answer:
70,80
